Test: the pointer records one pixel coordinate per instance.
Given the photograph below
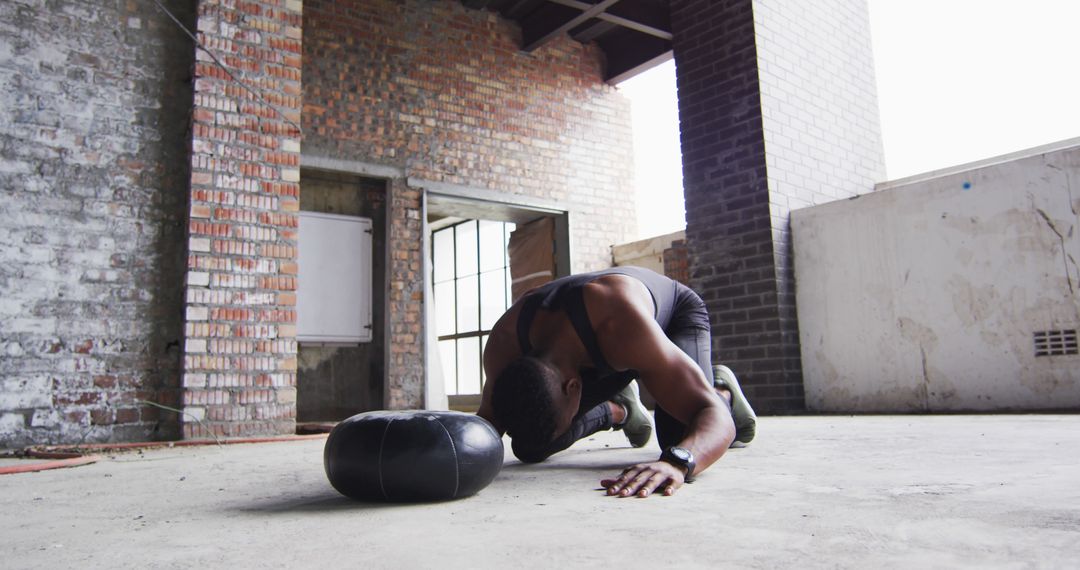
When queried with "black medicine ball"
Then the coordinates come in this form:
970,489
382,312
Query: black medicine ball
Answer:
414,455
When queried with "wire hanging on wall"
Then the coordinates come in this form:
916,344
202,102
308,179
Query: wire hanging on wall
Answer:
224,68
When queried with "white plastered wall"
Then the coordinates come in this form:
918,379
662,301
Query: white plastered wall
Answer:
925,295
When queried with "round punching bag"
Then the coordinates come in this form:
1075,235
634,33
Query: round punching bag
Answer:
412,455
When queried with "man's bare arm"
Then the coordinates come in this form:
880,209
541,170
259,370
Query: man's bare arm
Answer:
631,339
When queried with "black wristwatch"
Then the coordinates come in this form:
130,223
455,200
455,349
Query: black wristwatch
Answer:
680,457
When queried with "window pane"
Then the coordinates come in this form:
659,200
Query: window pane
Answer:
443,255
468,304
510,227
448,358
492,245
468,353
506,249
509,288
444,308
483,374
492,298
466,248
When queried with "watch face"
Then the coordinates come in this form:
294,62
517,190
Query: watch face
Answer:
681,453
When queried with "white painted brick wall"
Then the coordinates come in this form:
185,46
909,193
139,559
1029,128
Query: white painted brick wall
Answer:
88,209
819,101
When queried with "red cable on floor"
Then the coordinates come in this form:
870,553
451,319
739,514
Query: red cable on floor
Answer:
69,456
72,460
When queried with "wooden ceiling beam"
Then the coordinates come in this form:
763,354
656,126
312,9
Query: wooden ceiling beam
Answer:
618,20
544,36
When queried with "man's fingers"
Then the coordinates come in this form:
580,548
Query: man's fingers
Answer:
643,480
671,486
614,486
636,485
609,483
651,484
641,484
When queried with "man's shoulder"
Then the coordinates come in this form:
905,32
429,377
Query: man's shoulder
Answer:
615,297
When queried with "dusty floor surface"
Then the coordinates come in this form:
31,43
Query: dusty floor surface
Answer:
811,492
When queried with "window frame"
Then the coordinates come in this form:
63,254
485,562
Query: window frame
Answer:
480,332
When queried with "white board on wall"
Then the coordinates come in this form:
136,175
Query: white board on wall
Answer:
333,300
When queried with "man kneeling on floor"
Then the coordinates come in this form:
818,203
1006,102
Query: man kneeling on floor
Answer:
561,360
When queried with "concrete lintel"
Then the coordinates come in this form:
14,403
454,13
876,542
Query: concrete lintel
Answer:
319,162
485,195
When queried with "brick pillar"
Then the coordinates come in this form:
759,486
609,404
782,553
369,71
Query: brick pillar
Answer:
778,111
405,371
677,262
240,333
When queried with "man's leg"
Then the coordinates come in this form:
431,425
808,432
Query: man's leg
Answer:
693,337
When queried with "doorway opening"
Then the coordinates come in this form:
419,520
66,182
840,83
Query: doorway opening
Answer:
483,255
472,284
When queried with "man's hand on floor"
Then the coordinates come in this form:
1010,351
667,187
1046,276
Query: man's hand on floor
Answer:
644,479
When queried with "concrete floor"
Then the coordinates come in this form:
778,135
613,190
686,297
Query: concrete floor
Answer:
811,492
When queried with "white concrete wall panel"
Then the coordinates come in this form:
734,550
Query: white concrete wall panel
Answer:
925,295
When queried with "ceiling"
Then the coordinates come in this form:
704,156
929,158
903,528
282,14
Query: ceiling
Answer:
633,34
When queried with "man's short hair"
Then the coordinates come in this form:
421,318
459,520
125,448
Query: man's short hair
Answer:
523,404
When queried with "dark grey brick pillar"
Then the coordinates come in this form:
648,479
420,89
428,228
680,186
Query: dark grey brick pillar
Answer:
778,111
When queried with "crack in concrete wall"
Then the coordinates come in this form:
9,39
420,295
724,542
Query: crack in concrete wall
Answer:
1061,238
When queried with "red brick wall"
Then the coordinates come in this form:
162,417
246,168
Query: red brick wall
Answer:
443,93
239,372
677,262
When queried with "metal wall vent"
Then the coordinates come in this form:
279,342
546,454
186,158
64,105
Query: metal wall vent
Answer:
1056,343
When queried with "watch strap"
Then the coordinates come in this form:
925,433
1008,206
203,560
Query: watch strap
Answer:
670,456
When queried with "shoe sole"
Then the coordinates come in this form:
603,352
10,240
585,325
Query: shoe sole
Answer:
743,415
640,408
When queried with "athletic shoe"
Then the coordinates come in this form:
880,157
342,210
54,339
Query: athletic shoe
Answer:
636,426
742,413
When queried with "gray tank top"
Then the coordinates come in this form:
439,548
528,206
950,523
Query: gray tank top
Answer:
565,294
